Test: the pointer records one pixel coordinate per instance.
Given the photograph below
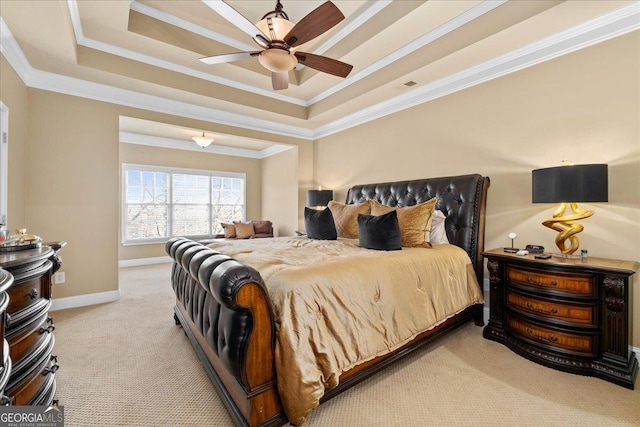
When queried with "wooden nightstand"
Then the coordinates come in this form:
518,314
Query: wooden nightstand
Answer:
568,314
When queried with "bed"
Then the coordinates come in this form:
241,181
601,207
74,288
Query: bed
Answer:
246,321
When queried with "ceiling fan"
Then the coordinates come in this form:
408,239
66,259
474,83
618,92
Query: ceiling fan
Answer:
278,37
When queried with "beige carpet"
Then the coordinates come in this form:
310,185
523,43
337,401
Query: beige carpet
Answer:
127,364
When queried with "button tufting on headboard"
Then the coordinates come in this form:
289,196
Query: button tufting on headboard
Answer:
461,198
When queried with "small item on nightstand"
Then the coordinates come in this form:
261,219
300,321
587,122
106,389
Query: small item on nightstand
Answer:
300,233
535,249
522,252
512,250
542,256
584,254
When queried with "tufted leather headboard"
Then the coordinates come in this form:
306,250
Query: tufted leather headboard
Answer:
461,198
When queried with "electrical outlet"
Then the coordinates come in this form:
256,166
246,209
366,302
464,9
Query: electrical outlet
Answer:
58,277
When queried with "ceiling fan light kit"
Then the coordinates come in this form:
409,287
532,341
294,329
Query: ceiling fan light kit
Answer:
277,60
277,35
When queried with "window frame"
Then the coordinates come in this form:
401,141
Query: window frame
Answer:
125,167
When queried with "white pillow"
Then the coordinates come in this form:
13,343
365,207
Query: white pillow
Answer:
438,235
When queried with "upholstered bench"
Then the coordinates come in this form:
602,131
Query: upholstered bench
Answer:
246,230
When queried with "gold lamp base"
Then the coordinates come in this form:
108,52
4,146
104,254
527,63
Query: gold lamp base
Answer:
567,226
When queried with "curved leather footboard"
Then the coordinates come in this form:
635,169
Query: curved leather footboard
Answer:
224,308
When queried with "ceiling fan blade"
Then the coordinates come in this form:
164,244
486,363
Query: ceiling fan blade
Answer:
280,80
320,20
324,64
229,57
235,17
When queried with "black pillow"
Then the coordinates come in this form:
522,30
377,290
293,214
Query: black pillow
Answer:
380,232
319,224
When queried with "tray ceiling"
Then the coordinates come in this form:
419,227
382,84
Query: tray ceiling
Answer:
153,47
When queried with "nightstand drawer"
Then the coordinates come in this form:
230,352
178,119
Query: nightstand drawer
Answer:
584,285
560,341
572,314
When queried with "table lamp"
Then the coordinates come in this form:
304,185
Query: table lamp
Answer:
319,199
569,185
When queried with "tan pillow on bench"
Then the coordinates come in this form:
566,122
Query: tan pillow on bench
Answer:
244,230
229,230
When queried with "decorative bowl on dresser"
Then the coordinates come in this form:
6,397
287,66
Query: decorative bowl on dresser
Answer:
565,313
26,325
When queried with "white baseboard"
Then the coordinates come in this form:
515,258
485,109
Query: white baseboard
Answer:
83,300
143,261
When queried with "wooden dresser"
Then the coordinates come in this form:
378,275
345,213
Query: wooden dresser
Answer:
6,280
28,329
569,314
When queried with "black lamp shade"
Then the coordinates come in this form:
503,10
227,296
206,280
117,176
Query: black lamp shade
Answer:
319,197
570,184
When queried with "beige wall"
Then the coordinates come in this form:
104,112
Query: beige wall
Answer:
141,154
71,177
13,93
64,156
72,187
280,191
583,107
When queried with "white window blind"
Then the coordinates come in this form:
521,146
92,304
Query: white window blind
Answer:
160,202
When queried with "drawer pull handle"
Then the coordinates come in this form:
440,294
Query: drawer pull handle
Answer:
7,400
541,311
48,329
33,294
51,370
8,320
552,338
533,282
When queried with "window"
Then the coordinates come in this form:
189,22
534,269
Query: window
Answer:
161,202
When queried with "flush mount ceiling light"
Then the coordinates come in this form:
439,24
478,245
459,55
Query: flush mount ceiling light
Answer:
278,37
203,141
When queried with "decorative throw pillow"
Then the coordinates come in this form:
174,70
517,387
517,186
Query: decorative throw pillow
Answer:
415,221
262,227
438,234
346,217
381,232
244,230
319,224
229,230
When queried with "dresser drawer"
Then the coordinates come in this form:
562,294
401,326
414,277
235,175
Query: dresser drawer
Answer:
580,344
576,285
30,336
28,293
30,383
558,312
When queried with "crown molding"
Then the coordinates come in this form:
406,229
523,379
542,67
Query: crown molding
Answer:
611,25
152,12
11,51
457,22
347,29
82,40
608,26
179,144
100,92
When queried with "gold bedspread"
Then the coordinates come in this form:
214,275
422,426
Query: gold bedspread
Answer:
337,305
